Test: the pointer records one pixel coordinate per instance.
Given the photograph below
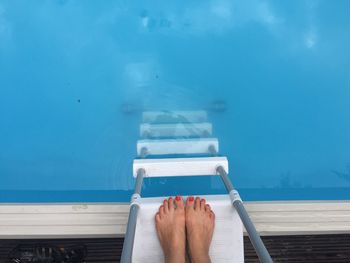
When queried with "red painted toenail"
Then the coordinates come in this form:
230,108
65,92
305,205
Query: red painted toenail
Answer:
202,200
162,206
178,198
190,198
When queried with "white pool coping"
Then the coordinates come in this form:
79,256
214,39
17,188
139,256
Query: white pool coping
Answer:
75,220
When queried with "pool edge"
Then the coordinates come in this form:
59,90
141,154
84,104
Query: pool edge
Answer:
76,220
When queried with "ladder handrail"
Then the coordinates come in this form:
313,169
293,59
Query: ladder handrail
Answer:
132,220
237,203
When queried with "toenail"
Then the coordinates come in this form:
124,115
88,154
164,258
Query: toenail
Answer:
202,200
162,206
190,198
178,198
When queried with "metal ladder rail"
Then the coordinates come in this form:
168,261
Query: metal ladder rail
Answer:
237,203
128,245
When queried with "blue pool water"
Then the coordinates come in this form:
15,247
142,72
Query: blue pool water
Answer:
75,77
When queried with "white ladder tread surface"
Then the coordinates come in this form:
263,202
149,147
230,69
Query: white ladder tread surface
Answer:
174,116
177,146
227,243
176,129
180,166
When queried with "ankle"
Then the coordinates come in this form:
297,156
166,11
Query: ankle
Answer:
175,257
175,254
200,258
198,252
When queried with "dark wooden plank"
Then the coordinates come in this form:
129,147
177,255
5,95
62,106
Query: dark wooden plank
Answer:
291,249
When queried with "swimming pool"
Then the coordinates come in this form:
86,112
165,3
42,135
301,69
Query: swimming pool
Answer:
75,78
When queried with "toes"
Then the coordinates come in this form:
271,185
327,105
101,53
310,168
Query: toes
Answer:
161,211
202,204
197,205
212,215
207,208
166,205
171,203
157,217
179,202
190,202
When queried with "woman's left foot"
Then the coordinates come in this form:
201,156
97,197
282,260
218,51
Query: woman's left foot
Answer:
170,225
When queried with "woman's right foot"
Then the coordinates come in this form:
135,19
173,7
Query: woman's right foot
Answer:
200,222
170,225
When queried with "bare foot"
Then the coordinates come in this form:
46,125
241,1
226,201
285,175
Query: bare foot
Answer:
200,221
170,224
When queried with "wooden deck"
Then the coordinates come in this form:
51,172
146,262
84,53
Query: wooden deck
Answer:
291,249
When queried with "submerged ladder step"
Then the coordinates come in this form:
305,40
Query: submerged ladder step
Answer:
174,116
178,146
180,166
176,130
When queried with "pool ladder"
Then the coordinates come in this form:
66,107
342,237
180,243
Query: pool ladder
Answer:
182,132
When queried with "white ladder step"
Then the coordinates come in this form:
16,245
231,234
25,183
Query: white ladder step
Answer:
174,116
176,129
178,146
226,245
179,166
